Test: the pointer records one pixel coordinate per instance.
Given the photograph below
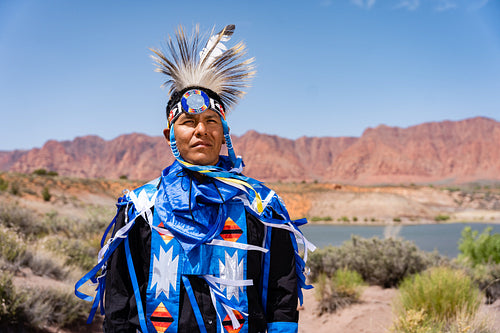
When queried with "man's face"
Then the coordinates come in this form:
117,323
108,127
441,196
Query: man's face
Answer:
199,137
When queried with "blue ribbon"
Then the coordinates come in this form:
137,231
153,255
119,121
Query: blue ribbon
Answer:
91,275
135,285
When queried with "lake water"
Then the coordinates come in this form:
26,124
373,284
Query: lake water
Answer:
442,237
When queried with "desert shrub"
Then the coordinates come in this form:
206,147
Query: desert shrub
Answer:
77,252
44,172
22,220
4,185
415,321
43,307
487,277
321,218
35,309
61,225
10,302
46,194
15,189
45,264
15,251
342,289
436,300
12,247
478,248
40,172
380,262
397,219
348,283
28,224
441,218
323,261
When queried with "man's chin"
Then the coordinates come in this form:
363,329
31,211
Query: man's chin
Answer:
203,160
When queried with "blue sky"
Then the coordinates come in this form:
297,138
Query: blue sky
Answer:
325,68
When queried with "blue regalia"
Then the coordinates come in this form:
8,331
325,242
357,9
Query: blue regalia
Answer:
202,247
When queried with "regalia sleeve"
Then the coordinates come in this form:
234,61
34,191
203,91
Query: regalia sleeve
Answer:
282,294
120,303
283,266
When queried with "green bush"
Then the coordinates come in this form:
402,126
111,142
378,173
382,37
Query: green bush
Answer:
43,307
4,185
46,194
22,220
40,172
487,278
479,248
436,300
45,264
77,252
441,218
342,289
348,283
10,302
34,309
12,248
415,321
28,224
15,189
321,219
380,262
44,172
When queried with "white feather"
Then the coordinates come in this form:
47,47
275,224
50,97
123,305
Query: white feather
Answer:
216,46
218,50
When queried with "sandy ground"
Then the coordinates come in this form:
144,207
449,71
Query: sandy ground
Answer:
372,315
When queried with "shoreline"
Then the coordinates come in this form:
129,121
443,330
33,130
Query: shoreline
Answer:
395,224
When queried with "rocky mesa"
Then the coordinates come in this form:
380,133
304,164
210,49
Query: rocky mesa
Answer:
444,152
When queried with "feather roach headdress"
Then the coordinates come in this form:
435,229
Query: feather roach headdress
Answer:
203,75
210,65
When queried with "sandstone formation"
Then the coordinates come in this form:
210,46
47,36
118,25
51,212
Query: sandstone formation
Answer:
448,152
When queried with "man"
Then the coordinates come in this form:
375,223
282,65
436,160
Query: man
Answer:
202,248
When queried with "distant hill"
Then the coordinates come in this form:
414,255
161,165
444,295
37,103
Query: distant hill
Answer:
447,151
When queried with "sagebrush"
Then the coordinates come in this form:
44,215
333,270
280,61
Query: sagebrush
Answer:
35,308
383,262
440,299
342,289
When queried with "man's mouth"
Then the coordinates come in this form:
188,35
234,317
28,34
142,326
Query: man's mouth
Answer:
202,144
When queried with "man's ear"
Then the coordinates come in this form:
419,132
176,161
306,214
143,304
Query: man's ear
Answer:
166,134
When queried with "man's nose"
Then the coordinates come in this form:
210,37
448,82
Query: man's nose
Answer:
201,129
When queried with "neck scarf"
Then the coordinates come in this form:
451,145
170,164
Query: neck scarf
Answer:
191,200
